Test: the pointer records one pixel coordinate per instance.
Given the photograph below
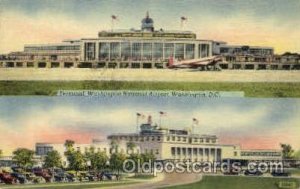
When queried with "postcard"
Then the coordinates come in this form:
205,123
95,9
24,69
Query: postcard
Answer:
149,94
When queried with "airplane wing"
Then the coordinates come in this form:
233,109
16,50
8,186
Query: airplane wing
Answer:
194,62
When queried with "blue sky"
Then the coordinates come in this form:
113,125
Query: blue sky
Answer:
270,22
253,123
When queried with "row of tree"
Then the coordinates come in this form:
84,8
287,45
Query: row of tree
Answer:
90,160
288,152
99,160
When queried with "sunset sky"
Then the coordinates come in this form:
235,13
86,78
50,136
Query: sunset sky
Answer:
252,123
273,23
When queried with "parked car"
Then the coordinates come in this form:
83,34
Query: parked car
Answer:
231,171
38,180
7,178
108,176
42,173
71,177
280,174
20,178
29,176
253,173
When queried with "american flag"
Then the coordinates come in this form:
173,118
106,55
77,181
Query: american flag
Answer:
195,121
162,113
139,115
183,18
149,119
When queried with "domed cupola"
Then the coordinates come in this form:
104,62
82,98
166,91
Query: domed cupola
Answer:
147,23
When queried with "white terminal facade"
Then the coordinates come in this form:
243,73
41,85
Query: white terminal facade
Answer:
169,145
145,48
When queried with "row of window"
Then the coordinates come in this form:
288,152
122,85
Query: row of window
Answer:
191,140
41,151
137,51
168,138
250,51
260,154
86,149
195,151
53,48
151,151
138,138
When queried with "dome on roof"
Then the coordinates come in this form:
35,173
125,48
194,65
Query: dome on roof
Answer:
147,20
147,23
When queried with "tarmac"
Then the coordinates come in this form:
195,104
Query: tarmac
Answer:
188,75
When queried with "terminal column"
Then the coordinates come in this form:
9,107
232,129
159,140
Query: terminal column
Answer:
97,51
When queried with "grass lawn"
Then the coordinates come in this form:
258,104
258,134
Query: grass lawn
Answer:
295,172
50,88
68,185
147,177
233,182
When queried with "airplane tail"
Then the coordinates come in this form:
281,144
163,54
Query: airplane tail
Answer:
171,61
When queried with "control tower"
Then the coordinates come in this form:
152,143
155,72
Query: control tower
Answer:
147,24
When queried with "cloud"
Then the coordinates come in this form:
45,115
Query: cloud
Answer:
17,29
52,24
249,30
60,123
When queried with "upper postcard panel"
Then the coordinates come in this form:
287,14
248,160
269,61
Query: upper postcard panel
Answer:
168,45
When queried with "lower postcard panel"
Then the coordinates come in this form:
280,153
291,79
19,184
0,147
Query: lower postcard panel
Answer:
175,139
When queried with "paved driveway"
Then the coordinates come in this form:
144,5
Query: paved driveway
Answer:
164,180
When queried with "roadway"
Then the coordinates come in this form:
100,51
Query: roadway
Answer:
163,180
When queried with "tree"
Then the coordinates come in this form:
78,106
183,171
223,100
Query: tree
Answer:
297,155
116,161
287,151
1,155
23,157
137,159
69,144
130,146
98,159
114,146
76,161
146,157
53,159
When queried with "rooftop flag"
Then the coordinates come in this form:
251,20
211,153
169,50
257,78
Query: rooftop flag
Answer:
139,115
162,113
183,18
195,121
114,17
150,119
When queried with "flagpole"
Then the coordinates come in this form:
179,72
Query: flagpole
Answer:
160,117
195,122
193,128
137,123
159,120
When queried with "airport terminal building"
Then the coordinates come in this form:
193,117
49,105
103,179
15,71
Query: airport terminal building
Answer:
146,47
168,145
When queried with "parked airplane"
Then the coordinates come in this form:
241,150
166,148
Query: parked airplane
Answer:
194,63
